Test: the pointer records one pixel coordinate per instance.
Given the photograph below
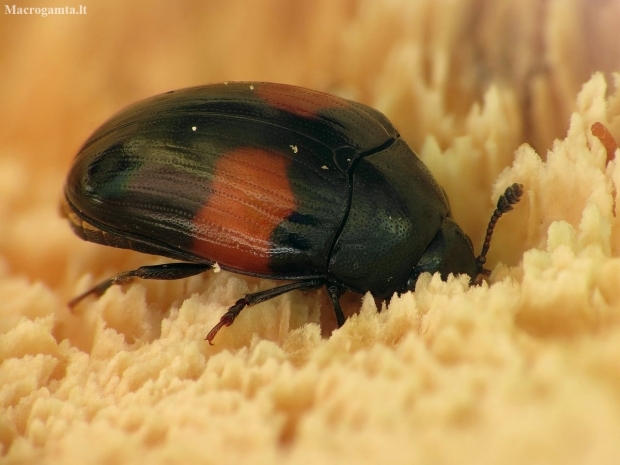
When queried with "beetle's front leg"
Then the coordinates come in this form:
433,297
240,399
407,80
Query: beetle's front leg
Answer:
335,292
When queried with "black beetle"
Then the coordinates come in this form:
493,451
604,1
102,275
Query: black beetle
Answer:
267,180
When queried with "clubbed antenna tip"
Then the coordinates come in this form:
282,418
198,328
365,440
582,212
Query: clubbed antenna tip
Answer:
505,203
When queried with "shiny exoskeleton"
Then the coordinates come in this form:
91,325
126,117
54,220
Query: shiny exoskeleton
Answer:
267,180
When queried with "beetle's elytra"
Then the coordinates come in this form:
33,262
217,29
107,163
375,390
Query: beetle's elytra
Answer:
267,180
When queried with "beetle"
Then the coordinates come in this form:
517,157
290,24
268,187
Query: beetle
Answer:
267,180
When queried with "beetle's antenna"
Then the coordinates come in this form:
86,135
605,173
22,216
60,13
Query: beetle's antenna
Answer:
510,197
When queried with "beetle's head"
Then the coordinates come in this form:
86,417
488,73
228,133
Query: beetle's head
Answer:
451,250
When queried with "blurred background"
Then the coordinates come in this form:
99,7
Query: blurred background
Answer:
431,66
466,83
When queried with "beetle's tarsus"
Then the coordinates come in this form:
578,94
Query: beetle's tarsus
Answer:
96,291
103,286
227,318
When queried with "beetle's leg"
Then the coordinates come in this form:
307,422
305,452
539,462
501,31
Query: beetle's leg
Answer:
335,292
166,271
252,299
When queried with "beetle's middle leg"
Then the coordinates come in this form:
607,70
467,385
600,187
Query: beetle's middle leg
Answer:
252,299
167,271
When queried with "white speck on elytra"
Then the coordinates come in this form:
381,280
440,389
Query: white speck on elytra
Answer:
294,147
324,167
251,87
194,128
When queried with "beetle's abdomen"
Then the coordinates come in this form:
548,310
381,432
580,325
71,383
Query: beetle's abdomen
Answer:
396,210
